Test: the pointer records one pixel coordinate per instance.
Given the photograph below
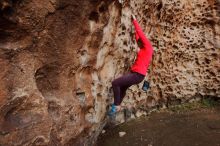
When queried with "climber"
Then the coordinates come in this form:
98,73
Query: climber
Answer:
138,69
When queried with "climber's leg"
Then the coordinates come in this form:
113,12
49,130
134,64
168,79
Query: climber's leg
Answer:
121,84
123,92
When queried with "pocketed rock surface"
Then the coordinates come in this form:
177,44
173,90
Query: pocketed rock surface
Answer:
59,57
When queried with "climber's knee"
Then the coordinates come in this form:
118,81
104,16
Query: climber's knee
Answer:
114,83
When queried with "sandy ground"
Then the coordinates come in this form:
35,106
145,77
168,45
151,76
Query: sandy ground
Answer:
186,128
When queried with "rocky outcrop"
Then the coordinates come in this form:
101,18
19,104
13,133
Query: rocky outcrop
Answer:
185,35
58,58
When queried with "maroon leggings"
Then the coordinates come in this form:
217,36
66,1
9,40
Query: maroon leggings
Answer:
121,84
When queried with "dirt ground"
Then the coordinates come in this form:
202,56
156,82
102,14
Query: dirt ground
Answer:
187,128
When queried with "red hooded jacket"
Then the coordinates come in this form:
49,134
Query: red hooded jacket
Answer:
145,54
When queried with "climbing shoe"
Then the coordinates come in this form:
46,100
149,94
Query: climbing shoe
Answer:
113,110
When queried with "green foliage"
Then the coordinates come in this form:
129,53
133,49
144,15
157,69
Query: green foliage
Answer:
185,107
204,103
208,102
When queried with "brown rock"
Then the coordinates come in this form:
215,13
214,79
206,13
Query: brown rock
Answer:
58,59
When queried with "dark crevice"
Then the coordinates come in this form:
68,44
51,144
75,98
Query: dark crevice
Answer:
94,16
159,7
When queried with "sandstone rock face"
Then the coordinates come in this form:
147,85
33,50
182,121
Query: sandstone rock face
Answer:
185,35
58,58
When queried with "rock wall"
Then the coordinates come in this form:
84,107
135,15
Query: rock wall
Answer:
185,35
58,58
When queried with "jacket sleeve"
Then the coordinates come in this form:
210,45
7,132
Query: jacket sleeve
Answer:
140,34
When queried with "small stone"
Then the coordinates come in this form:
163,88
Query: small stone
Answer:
132,116
103,131
121,134
164,107
139,114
